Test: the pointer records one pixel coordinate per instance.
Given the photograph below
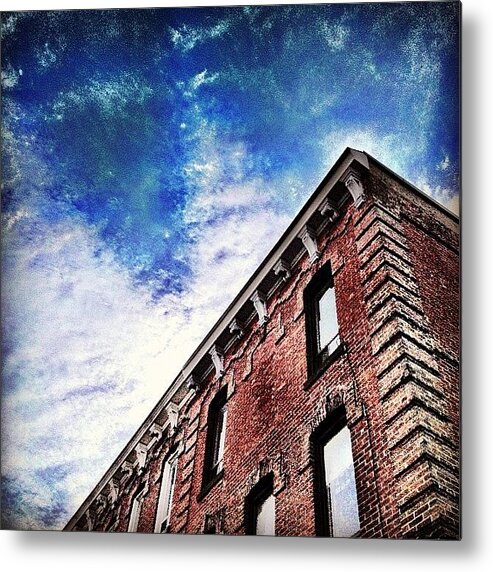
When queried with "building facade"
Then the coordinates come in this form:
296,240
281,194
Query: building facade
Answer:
325,400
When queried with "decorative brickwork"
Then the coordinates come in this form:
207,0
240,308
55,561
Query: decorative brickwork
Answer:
394,374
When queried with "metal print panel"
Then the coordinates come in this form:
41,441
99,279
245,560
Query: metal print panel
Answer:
243,220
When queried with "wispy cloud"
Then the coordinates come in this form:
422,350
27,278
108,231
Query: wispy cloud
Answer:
9,23
10,76
441,193
397,152
388,148
232,215
87,344
185,37
76,316
336,35
110,95
48,55
190,87
444,164
67,367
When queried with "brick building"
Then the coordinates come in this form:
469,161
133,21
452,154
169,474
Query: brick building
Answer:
325,400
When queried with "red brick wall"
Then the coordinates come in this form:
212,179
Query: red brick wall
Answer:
396,279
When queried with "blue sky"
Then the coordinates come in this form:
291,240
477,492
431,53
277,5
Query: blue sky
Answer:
151,158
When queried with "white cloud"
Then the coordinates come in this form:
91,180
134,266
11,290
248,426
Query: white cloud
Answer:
186,37
202,78
442,194
109,95
10,77
91,354
9,23
227,252
444,163
419,80
45,56
233,217
453,204
335,35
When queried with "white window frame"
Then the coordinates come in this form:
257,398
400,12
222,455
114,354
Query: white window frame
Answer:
133,522
165,502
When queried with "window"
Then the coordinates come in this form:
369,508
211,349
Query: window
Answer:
166,493
261,508
210,525
335,483
133,522
322,330
213,523
216,438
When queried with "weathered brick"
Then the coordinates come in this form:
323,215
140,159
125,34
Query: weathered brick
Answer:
396,279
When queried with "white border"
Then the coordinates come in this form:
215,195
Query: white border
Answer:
80,552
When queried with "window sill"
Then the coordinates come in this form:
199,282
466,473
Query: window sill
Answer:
210,484
340,349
